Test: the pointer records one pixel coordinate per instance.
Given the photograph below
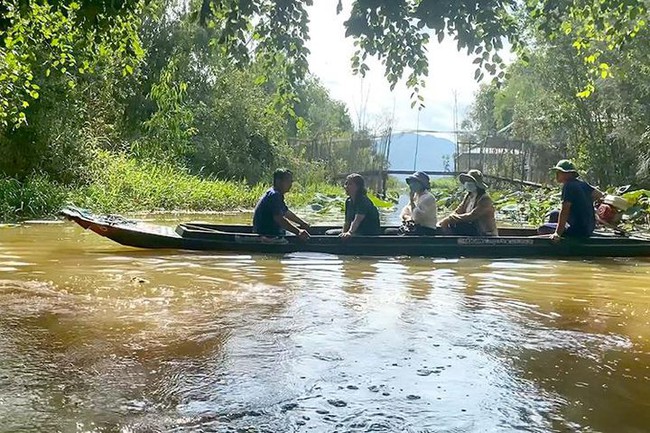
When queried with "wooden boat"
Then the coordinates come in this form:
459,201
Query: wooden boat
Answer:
512,243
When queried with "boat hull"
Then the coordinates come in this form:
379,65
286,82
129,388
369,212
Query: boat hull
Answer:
208,237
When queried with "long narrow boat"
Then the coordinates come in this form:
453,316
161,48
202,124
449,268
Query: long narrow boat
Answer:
512,243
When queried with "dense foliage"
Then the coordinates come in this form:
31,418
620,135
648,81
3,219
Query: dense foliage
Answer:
273,34
152,82
221,88
604,127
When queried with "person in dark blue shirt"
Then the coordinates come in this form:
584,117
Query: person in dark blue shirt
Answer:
272,217
577,203
361,215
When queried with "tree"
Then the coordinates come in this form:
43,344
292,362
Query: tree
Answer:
606,133
274,33
398,31
66,38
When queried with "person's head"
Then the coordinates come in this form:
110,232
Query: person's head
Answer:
565,171
418,182
282,180
355,185
473,182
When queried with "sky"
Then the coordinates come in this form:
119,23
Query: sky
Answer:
449,71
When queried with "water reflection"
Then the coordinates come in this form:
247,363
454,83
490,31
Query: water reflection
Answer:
98,337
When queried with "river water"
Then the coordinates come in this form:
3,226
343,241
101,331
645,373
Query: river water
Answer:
96,337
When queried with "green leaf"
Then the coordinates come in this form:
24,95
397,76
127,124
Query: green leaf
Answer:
379,202
634,196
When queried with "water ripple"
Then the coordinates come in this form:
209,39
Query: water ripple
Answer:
98,337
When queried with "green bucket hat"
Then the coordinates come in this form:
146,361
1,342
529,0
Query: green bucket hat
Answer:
474,176
565,166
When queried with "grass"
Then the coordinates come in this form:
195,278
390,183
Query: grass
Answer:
35,197
128,185
123,185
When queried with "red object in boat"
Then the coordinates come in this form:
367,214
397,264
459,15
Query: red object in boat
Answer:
608,213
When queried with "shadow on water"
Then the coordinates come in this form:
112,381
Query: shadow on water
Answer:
98,337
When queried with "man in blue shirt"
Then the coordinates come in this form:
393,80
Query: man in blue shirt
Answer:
577,203
272,217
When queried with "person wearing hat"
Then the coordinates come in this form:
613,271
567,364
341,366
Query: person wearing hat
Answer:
475,214
421,211
577,217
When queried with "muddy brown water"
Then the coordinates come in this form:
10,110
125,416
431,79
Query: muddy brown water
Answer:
96,337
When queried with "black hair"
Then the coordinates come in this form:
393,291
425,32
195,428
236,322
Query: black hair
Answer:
360,182
281,174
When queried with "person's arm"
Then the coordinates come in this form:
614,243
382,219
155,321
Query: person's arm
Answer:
296,219
462,206
363,208
280,212
482,208
356,222
562,220
346,224
569,192
286,224
406,214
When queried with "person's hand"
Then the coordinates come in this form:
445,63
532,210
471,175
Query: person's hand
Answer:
345,235
412,199
556,237
453,217
303,235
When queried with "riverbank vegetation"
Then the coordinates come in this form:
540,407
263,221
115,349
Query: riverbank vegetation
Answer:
128,185
157,104
545,103
141,110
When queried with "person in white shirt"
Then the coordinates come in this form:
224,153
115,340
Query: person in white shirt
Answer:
420,214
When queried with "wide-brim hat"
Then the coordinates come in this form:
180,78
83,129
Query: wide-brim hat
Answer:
420,177
474,176
565,166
